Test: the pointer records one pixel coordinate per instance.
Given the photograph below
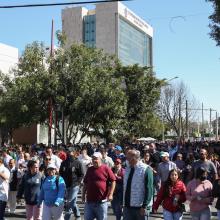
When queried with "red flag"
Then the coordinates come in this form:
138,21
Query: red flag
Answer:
50,113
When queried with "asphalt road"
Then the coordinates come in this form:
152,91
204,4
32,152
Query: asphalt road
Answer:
20,214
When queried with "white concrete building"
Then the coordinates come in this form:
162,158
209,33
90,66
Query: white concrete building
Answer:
111,27
8,57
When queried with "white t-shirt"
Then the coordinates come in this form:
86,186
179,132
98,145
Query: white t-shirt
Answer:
86,161
4,184
56,161
7,158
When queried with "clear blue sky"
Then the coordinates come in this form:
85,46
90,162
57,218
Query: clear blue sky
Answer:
181,45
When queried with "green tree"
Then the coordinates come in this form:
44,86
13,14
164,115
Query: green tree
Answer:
142,89
89,90
215,21
22,102
98,96
80,80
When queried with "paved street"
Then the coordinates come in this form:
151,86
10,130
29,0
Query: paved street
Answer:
20,214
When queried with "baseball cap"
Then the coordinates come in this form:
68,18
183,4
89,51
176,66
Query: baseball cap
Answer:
117,147
97,154
164,154
51,166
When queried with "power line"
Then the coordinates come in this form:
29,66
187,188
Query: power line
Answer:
177,16
172,18
58,4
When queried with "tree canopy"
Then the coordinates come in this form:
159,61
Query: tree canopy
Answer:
98,95
215,21
142,90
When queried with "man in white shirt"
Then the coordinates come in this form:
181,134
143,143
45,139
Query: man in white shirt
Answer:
15,175
85,160
4,187
6,157
54,159
105,158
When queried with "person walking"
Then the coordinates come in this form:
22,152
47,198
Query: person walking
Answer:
165,167
85,160
199,193
30,187
13,184
98,189
172,196
118,193
6,157
208,165
43,167
137,188
72,172
52,194
216,194
54,158
4,187
105,158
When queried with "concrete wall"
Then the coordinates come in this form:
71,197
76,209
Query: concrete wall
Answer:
72,24
106,27
8,57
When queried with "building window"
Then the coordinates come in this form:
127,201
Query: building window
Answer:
134,46
89,30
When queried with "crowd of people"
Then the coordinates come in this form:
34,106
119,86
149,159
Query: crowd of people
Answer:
134,178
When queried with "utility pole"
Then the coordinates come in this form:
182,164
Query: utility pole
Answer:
55,126
216,126
50,104
202,121
63,126
210,122
180,127
162,124
210,118
187,121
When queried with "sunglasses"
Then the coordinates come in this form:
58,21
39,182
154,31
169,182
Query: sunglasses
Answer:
48,158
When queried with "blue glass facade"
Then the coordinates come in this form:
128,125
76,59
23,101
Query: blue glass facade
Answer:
89,30
134,46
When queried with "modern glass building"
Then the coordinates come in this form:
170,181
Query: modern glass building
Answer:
89,30
113,28
134,45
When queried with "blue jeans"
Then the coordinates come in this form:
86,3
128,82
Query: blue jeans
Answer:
96,210
2,209
218,214
117,207
71,206
172,215
201,215
133,214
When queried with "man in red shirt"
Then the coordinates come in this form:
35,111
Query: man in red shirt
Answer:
98,189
